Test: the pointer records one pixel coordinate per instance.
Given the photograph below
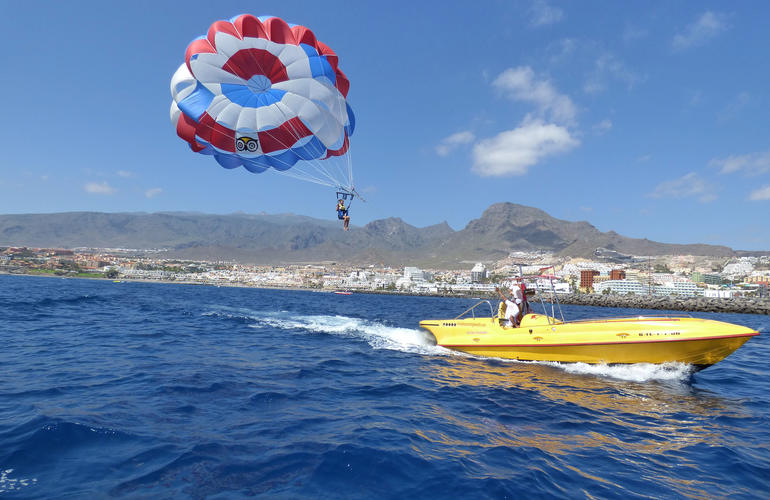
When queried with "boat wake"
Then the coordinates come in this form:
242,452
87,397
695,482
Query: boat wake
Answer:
640,372
417,341
377,335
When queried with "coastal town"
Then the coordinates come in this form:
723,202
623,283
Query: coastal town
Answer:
676,276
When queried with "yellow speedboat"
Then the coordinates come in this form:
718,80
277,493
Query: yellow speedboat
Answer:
699,342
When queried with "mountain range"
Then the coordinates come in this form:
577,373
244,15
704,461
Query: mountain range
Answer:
287,238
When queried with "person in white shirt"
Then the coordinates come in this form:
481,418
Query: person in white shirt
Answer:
511,309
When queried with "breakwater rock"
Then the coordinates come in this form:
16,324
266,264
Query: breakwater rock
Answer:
734,305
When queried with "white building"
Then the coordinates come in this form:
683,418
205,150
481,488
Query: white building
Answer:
678,288
743,267
621,287
416,274
479,272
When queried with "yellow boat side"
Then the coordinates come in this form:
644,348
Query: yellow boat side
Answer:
696,341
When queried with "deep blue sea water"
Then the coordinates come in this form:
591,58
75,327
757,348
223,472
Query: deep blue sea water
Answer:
148,390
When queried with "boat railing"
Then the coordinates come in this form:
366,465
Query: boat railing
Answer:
472,309
631,318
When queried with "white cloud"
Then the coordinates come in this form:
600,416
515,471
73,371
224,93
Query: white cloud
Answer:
521,84
603,126
448,144
705,28
751,164
562,51
125,173
513,152
542,14
689,185
151,193
99,188
735,106
607,67
633,33
760,194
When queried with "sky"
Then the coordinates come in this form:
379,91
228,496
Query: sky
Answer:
647,118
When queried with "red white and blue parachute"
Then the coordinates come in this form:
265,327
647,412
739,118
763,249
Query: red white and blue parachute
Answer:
263,94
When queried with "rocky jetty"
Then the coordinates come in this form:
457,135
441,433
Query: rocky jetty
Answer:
735,305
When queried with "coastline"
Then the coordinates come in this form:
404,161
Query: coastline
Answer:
739,305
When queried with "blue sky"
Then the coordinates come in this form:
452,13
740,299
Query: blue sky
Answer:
647,118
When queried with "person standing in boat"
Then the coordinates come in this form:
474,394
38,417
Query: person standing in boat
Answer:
511,314
525,308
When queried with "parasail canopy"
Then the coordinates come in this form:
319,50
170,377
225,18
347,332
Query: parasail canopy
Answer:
261,93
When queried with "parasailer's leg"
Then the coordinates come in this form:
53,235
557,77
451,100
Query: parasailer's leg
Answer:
347,223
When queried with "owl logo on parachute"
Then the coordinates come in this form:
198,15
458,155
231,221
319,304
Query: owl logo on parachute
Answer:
246,143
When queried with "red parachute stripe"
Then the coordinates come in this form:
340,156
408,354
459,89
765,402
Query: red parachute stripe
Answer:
218,135
284,136
325,50
249,62
338,152
274,29
342,84
249,26
278,31
185,128
304,35
221,27
199,46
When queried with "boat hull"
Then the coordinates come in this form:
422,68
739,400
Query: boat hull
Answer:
695,341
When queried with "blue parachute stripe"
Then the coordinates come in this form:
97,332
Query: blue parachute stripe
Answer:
309,149
255,166
242,95
351,126
195,104
319,65
228,161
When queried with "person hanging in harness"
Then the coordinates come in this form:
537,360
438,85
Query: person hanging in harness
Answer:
342,214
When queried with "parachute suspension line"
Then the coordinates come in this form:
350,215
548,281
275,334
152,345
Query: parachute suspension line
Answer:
320,166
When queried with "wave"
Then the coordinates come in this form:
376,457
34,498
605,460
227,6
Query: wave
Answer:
9,483
49,302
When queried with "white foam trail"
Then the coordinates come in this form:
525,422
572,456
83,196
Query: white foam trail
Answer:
640,372
377,335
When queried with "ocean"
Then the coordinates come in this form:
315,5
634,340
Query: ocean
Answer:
151,390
